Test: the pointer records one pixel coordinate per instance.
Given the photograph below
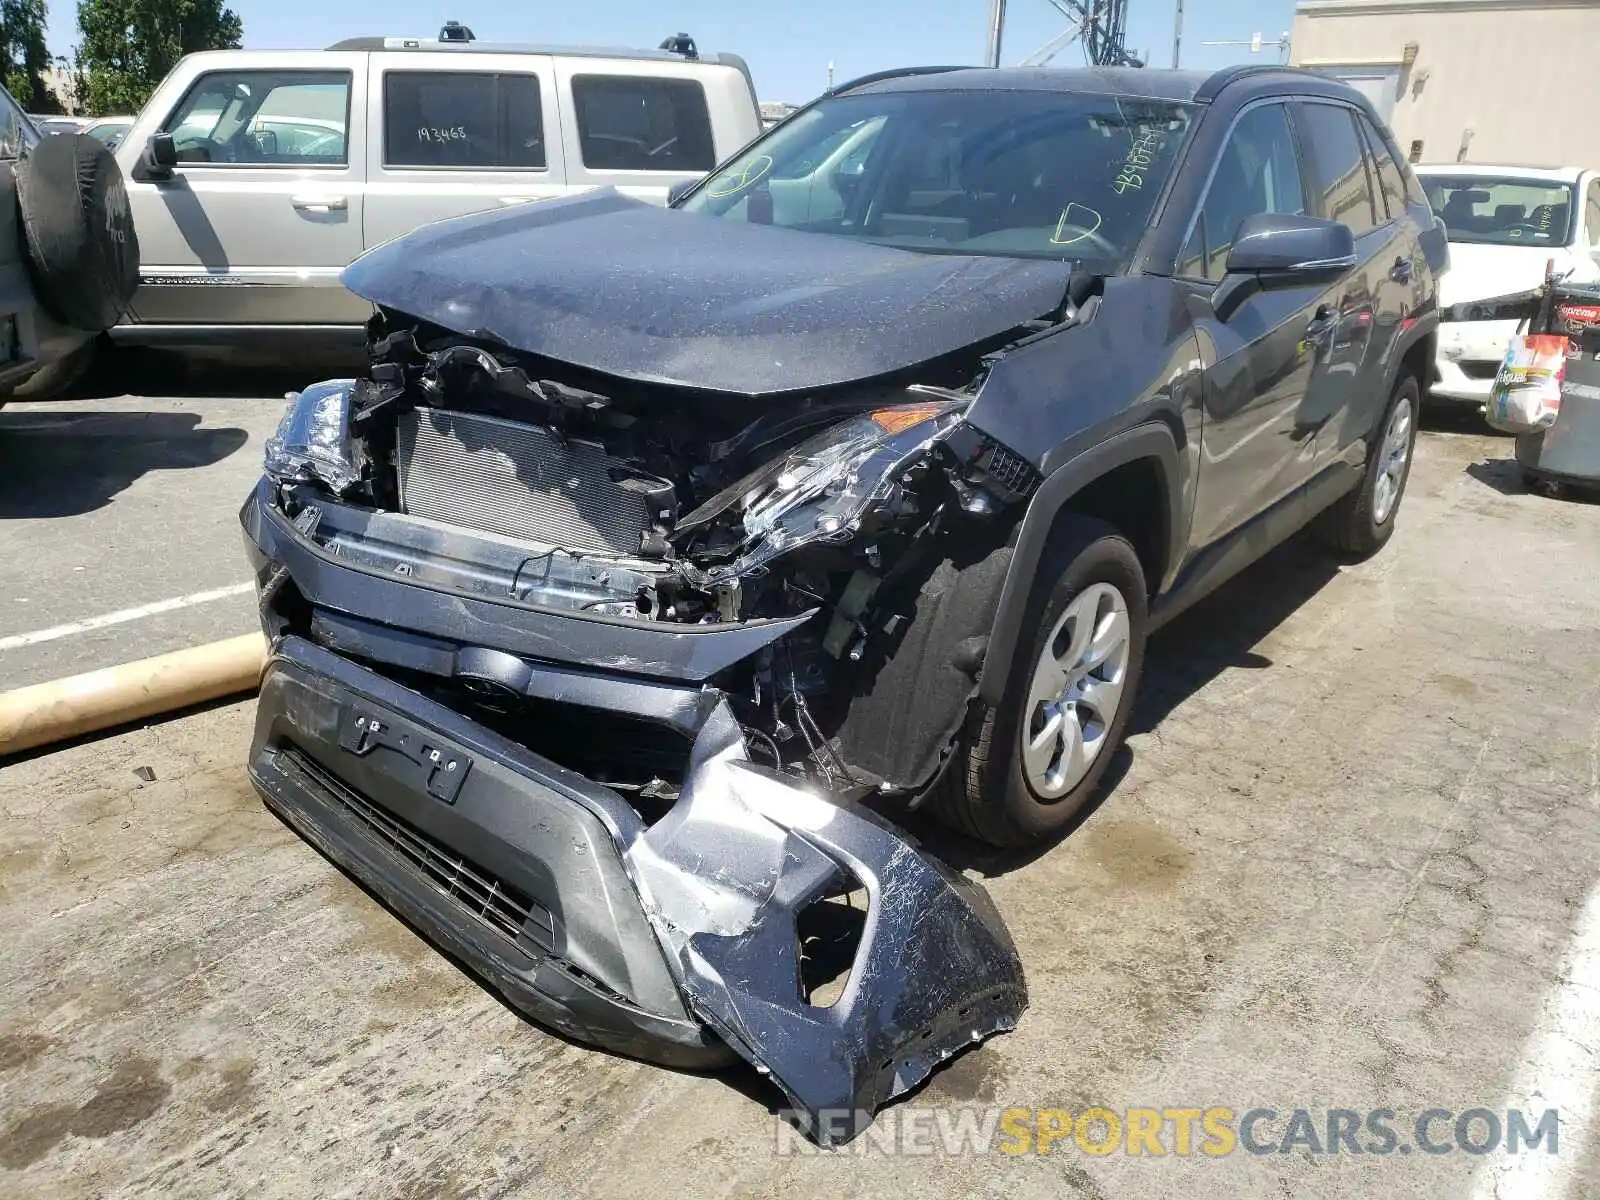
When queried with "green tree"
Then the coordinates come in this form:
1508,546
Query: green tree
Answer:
23,57
128,46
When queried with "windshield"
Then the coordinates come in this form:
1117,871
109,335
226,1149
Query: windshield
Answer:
1060,175
1495,210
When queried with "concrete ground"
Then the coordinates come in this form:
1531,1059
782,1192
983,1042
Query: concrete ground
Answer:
1352,861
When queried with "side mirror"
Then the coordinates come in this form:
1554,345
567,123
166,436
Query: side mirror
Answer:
159,158
1273,250
679,190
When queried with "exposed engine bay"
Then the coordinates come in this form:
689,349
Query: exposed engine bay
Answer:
700,629
482,469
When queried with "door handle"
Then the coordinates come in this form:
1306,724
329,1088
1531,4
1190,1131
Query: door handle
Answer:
320,203
1401,271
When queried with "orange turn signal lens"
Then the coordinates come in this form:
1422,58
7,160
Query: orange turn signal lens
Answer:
903,416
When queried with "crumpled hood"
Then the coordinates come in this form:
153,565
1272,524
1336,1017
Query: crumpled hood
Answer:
619,286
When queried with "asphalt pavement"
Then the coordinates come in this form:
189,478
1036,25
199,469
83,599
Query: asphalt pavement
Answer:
118,514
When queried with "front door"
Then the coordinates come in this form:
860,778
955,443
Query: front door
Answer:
264,208
1258,363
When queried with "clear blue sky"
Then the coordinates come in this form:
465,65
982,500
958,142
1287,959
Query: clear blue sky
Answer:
788,45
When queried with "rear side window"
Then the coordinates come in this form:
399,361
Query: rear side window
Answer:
462,119
1339,167
632,123
1391,176
1258,172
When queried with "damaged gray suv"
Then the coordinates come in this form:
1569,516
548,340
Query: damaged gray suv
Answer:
662,556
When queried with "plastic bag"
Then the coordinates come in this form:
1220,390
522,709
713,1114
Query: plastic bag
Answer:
1527,389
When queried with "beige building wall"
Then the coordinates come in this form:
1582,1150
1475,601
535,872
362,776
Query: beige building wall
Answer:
1519,80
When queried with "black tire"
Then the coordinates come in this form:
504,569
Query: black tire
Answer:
985,793
1349,525
80,246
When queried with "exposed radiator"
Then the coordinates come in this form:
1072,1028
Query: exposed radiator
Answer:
519,480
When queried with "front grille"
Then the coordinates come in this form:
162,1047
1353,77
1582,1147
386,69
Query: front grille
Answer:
519,480
492,901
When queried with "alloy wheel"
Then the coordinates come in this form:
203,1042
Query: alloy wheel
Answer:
1392,460
1077,691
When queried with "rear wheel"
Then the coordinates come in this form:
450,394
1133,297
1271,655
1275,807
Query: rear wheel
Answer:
1362,520
1027,765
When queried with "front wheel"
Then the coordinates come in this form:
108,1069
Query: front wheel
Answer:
1360,522
1026,766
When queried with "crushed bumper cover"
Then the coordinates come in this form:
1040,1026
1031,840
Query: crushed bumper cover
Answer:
676,942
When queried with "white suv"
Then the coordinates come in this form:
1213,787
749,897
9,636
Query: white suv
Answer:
256,176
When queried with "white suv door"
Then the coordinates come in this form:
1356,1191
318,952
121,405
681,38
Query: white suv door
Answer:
264,208
455,134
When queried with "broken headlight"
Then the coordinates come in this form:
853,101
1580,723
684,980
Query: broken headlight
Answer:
313,439
823,489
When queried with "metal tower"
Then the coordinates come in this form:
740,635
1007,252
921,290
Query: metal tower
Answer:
1099,25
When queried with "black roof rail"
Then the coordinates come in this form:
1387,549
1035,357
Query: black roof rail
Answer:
892,73
1228,75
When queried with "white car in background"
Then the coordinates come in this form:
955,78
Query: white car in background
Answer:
109,130
1505,225
256,176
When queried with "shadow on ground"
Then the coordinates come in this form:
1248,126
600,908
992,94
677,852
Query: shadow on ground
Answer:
1457,418
1501,474
1505,475
60,464
129,371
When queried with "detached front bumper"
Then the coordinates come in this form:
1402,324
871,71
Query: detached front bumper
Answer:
504,860
676,942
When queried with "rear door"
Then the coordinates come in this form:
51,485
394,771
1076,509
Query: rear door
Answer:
264,208
1347,389
452,134
1253,454
642,126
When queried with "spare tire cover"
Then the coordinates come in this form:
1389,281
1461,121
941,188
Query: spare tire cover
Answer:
81,249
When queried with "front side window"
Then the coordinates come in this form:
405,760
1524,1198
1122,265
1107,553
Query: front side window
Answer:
1257,172
462,119
284,118
1023,174
1592,220
1339,166
1501,210
635,123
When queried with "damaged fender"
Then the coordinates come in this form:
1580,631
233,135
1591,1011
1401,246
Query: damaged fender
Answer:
724,877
